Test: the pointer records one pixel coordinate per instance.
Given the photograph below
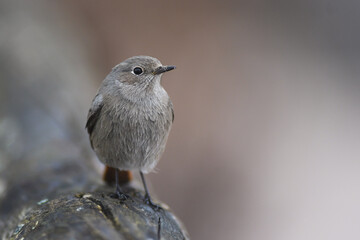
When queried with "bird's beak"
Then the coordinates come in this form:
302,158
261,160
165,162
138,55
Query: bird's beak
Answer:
163,69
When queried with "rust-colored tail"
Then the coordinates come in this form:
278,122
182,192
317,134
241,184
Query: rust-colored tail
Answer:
109,175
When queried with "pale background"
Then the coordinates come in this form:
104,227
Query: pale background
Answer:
266,138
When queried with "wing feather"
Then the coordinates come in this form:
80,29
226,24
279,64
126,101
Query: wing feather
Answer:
94,114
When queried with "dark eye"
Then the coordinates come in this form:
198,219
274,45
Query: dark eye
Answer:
138,71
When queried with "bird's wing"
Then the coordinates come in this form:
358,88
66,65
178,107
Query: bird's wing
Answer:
170,105
173,115
94,113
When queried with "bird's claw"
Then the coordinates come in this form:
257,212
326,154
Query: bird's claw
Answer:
147,201
120,195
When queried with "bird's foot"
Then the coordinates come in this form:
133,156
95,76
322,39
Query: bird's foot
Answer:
148,201
120,195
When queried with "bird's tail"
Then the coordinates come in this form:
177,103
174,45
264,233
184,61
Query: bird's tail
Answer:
109,176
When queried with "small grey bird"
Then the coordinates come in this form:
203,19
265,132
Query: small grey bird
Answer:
130,118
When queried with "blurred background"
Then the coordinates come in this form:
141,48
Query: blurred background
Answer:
266,138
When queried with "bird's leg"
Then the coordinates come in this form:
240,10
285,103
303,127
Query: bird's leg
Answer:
147,198
118,192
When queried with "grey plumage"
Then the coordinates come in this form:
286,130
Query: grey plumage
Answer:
131,115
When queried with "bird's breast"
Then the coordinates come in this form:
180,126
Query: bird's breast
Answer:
146,111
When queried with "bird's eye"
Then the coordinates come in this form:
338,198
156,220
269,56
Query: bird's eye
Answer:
137,70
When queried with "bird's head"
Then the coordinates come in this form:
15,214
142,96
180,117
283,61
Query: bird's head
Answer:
139,72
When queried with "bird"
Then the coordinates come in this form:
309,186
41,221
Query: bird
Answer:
130,119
